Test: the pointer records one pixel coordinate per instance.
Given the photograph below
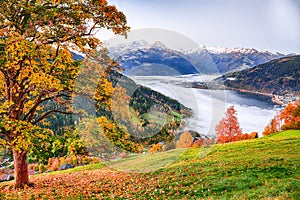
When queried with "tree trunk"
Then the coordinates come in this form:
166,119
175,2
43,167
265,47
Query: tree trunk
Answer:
21,169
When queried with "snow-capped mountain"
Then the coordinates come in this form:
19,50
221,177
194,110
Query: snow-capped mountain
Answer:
118,50
143,58
235,59
221,50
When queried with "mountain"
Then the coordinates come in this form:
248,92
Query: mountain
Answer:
232,59
118,50
140,58
201,58
143,58
280,76
76,56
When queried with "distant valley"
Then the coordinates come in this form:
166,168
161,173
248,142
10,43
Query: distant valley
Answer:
176,73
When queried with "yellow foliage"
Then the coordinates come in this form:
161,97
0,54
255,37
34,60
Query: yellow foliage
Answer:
37,66
156,148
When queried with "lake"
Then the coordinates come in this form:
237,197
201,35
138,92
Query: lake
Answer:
253,111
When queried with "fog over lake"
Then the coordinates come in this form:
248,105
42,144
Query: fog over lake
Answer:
208,106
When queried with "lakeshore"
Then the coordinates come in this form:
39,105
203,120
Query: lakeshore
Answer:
281,100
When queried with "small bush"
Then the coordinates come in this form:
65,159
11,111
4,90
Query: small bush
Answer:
156,148
53,164
197,143
33,166
42,168
185,140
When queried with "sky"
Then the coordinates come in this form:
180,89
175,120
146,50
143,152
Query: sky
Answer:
267,25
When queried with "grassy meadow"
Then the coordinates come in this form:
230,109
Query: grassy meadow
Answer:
264,168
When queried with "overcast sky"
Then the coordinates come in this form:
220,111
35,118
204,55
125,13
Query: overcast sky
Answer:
272,25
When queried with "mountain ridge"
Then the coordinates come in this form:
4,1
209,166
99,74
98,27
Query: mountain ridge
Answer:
203,60
153,56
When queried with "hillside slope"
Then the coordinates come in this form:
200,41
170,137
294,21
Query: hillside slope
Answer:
279,76
138,119
264,168
150,111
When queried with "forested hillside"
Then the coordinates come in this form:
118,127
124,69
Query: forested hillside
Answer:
147,111
279,76
156,114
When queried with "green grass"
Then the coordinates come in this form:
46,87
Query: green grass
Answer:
76,169
135,119
148,162
264,168
157,117
254,169
177,114
289,133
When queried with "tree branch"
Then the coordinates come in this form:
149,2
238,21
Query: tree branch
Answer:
49,113
39,101
32,110
56,39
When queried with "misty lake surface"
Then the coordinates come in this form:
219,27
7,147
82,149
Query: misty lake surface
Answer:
253,111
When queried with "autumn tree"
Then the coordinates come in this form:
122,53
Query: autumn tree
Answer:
37,67
251,136
228,129
156,148
288,118
94,138
291,116
273,127
185,140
